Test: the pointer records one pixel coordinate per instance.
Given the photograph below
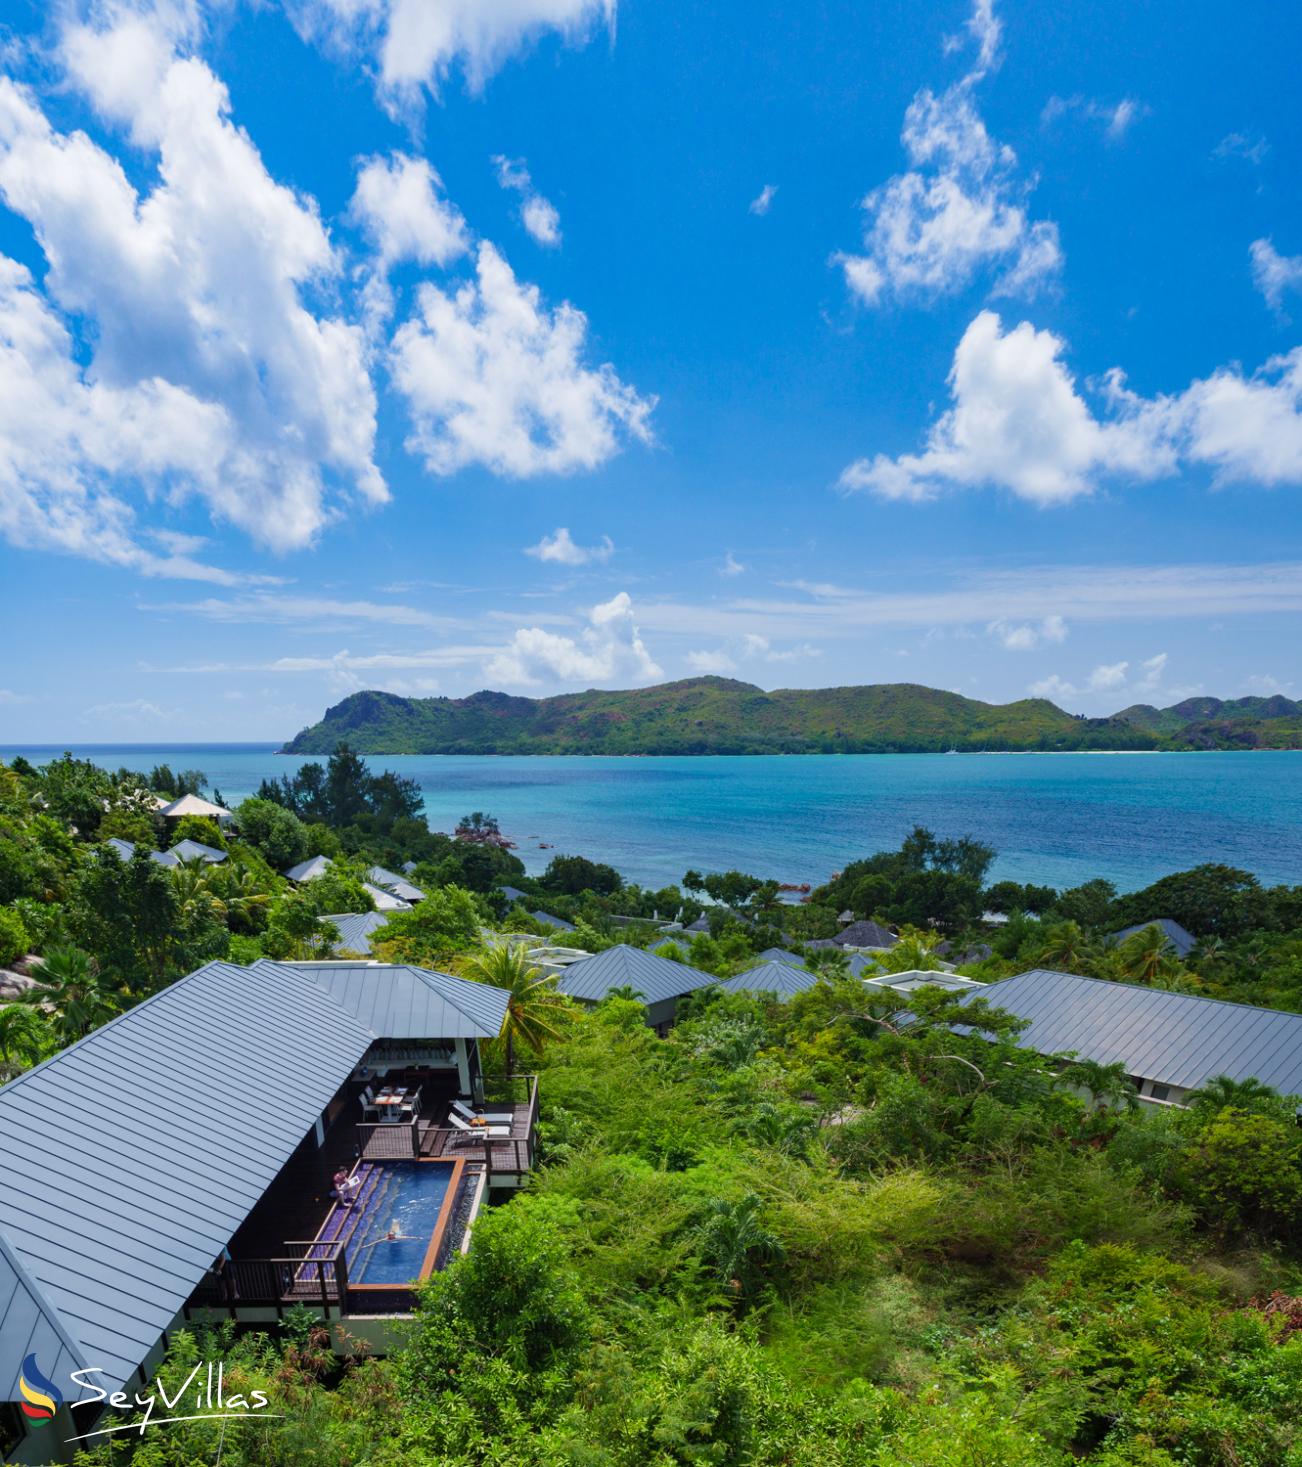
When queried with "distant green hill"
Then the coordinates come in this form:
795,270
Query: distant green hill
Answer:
713,715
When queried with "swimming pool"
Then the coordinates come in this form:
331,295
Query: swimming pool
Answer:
405,1214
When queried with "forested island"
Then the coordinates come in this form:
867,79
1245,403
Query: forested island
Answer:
715,715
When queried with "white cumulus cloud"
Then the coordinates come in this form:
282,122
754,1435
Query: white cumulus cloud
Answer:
1027,636
610,649
763,201
1018,421
1116,118
537,214
492,377
203,370
959,208
419,42
400,206
561,549
1274,274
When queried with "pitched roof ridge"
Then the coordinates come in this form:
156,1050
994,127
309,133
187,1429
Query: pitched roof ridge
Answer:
67,1339
1147,988
425,974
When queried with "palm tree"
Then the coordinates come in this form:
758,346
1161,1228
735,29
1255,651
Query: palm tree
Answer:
735,1245
24,1032
70,986
1147,956
195,896
1067,946
535,1012
240,895
916,950
1223,1093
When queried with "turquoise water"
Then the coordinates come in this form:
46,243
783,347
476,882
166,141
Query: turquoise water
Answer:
1054,818
408,1202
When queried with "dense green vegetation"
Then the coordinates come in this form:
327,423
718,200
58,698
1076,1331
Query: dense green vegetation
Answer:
827,1231
807,1235
714,715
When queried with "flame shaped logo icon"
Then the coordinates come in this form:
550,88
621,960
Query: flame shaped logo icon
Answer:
41,1397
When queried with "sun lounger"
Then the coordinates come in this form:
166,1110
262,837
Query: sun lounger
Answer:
492,1133
498,1118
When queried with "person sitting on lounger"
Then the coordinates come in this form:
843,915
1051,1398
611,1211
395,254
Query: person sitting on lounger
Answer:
341,1180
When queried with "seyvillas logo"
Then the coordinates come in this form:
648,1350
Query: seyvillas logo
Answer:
41,1397
204,1389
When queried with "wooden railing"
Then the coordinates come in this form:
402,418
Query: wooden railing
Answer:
311,1273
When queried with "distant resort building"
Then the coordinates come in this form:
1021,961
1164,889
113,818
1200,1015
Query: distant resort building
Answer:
389,891
1180,940
775,977
660,982
865,937
183,850
356,930
1169,1043
175,1158
195,805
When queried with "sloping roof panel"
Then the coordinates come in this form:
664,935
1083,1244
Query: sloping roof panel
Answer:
145,1145
398,885
1176,1039
654,977
1181,939
865,934
397,1002
310,869
195,850
194,805
355,929
777,978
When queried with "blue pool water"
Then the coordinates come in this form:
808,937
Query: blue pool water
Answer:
1054,818
408,1200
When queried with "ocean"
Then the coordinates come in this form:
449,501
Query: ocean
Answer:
1057,819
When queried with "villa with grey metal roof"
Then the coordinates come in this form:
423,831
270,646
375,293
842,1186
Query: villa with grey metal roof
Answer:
661,982
1181,940
782,980
160,1153
1169,1043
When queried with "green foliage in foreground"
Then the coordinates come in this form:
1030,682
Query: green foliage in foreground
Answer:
790,1237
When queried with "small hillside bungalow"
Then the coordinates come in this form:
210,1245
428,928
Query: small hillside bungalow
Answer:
1179,939
1169,1043
777,979
182,1162
660,982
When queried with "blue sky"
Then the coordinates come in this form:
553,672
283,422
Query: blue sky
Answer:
542,346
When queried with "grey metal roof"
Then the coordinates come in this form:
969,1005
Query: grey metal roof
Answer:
654,977
399,1002
385,901
1174,1038
777,978
28,1326
782,955
1180,938
310,869
398,885
513,894
195,850
558,922
865,934
355,929
126,849
142,1147
912,978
